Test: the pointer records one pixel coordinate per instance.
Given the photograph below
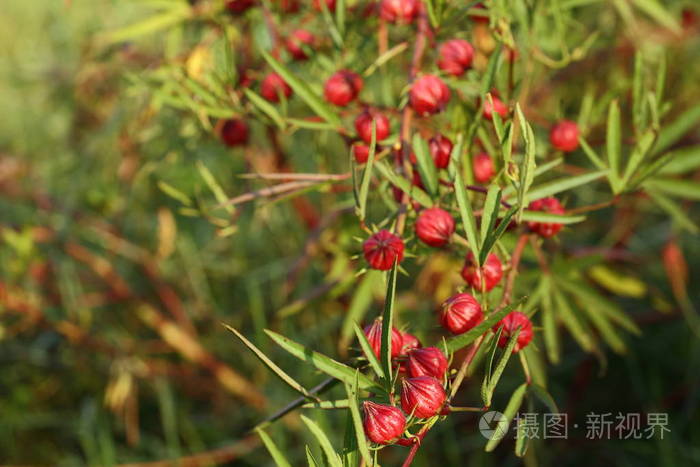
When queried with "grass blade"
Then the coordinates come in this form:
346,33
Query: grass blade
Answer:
277,456
326,446
387,324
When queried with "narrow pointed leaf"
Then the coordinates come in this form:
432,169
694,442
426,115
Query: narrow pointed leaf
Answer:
426,165
265,107
539,216
614,145
496,234
326,446
491,207
277,456
591,154
357,422
367,174
413,191
500,366
369,353
562,184
465,210
511,409
388,323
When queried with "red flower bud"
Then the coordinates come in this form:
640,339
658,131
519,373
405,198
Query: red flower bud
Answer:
498,106
429,95
435,227
330,4
482,164
455,56
234,132
342,88
399,11
383,423
423,397
511,323
363,125
429,361
492,271
564,136
239,6
441,150
374,337
460,313
361,152
409,341
272,86
552,206
296,41
381,249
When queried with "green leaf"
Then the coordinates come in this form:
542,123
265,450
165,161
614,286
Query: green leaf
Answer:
321,362
357,422
388,323
426,165
637,82
303,91
281,374
310,458
369,353
614,145
511,409
463,340
265,107
572,322
174,193
500,366
493,346
562,184
490,73
413,191
277,456
495,234
491,208
465,210
606,330
674,210
659,14
681,161
543,395
539,216
684,189
336,404
214,186
167,19
527,166
326,446
367,174
350,454
310,124
638,154
592,155
549,327
673,132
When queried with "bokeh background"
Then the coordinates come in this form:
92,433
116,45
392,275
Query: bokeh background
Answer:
117,269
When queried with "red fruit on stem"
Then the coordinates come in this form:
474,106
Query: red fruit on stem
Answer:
330,4
363,125
342,88
549,205
428,361
239,6
491,271
423,397
455,56
382,249
383,424
511,323
399,11
435,227
234,132
272,86
441,150
361,152
460,313
482,165
373,332
564,136
296,42
429,95
498,106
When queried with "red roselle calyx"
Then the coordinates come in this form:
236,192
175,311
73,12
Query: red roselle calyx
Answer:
511,323
490,273
428,361
361,152
399,11
383,424
382,249
564,136
373,332
423,396
440,150
234,132
482,165
297,40
342,88
273,86
409,342
429,95
549,205
455,56
498,106
435,227
363,125
460,313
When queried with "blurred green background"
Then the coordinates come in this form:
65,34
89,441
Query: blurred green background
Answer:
111,348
